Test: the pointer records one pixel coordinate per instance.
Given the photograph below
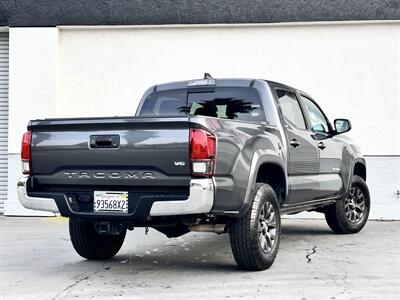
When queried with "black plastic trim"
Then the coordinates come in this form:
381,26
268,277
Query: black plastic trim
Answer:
139,206
305,206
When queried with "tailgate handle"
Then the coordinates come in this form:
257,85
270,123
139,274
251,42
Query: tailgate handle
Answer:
104,141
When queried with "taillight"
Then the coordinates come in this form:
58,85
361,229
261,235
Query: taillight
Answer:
202,152
26,152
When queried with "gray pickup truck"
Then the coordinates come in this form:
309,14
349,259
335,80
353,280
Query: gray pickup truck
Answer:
208,155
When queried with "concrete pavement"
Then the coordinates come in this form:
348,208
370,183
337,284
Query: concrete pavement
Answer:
38,262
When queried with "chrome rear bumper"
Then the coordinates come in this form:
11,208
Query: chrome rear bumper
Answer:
201,200
43,204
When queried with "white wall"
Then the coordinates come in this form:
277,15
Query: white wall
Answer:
352,70
32,95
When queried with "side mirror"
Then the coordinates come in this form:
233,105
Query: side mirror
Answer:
342,125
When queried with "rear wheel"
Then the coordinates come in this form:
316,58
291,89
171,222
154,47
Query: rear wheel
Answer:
255,237
91,245
350,214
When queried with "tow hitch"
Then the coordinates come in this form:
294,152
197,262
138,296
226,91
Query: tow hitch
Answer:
108,228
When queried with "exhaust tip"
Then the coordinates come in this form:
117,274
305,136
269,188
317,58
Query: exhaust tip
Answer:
216,228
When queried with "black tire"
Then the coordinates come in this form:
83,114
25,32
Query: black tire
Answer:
246,232
91,245
350,214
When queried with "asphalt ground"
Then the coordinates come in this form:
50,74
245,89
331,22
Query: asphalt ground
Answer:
39,262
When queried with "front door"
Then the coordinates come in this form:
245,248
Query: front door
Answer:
331,150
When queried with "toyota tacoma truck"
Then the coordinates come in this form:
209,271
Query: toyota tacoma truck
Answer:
208,155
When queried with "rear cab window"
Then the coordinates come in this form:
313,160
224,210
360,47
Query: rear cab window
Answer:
165,103
235,103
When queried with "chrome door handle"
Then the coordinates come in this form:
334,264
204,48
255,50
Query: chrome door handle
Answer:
321,145
294,143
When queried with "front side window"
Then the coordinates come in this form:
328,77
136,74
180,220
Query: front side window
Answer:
290,108
317,118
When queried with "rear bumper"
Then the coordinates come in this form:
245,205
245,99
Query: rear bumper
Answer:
200,201
35,203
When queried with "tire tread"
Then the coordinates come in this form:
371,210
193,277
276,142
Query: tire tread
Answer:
89,244
245,251
334,213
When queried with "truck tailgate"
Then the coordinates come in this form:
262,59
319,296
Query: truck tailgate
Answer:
119,151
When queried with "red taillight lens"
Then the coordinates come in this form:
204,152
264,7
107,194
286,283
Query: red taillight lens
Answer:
26,152
202,152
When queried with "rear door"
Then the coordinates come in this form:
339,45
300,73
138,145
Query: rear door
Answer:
303,164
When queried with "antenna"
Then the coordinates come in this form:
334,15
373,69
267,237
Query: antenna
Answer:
207,76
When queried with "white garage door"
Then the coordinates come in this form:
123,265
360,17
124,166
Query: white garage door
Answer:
3,117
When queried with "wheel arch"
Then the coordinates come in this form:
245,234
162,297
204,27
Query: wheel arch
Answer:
262,168
360,169
274,175
357,167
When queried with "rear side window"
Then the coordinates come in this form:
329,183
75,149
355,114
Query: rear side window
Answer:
236,103
290,108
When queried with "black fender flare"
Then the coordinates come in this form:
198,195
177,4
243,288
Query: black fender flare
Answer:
261,157
355,160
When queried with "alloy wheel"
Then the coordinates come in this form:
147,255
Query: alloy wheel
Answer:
354,205
267,227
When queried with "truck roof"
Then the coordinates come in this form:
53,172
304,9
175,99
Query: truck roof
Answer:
219,82
240,82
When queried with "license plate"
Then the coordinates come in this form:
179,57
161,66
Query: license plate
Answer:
110,202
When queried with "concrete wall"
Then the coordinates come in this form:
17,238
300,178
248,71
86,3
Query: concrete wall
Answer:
352,70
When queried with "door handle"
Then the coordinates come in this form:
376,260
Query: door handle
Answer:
321,145
295,143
